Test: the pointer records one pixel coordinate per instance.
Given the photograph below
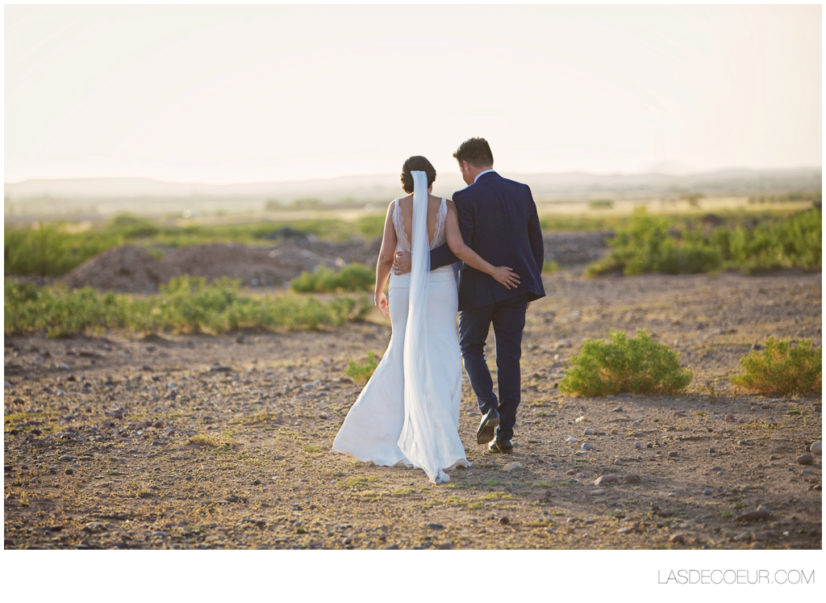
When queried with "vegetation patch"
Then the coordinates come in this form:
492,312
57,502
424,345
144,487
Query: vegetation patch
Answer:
360,372
783,367
184,305
655,244
353,277
635,365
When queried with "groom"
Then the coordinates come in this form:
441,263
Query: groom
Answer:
498,221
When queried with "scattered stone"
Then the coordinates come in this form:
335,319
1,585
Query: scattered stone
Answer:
598,491
816,447
570,472
673,454
587,446
435,526
572,439
729,418
504,520
754,516
708,491
618,461
66,457
589,432
512,466
742,442
805,459
606,479
632,478
94,526
637,445
617,409
579,419
677,539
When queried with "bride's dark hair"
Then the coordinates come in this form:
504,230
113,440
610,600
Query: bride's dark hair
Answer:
416,163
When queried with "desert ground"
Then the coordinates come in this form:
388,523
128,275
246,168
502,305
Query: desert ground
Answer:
223,442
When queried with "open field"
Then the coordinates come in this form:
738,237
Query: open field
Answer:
192,441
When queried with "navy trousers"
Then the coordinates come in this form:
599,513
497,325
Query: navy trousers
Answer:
508,319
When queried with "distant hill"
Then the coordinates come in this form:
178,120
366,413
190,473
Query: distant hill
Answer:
109,195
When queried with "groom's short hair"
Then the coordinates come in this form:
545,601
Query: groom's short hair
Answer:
476,151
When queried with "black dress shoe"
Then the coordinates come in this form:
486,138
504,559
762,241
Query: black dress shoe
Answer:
487,428
498,445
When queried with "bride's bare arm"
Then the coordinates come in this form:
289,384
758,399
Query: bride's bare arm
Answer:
502,274
385,261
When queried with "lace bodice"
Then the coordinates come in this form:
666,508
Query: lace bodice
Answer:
402,244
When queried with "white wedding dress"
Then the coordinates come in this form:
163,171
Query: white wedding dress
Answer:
408,413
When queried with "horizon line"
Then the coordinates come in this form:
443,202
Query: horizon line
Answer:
651,172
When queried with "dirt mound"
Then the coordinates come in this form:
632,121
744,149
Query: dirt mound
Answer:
574,248
127,268
255,266
133,269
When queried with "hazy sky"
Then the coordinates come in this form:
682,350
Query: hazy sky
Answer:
230,94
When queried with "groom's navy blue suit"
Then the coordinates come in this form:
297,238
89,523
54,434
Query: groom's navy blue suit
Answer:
498,221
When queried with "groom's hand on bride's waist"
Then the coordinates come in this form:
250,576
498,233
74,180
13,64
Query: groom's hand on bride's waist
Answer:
401,263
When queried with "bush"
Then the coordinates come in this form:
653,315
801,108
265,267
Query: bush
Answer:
550,266
184,305
600,204
353,277
634,365
653,244
48,250
781,368
361,373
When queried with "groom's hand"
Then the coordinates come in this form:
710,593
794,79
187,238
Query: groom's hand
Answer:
401,264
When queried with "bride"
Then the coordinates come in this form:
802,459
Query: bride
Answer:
408,413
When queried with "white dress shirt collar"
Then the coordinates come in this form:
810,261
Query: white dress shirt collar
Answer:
480,173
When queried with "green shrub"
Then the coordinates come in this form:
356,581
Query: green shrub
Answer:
361,372
600,204
353,277
633,365
781,368
48,250
550,266
655,244
184,305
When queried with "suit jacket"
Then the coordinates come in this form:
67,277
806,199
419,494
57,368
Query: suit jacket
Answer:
498,221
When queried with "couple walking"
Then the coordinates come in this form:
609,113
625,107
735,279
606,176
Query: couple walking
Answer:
408,413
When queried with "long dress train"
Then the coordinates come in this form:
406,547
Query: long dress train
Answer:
408,413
